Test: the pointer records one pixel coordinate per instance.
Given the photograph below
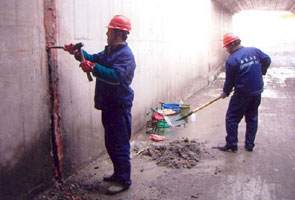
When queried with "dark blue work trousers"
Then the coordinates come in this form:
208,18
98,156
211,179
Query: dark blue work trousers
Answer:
240,106
117,126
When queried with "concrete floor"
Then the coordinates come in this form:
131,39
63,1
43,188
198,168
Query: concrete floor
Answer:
267,173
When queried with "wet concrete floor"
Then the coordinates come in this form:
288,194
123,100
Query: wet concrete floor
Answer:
267,173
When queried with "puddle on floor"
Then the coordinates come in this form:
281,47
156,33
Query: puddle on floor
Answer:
279,75
268,93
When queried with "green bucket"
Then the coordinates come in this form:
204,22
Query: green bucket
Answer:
162,124
184,109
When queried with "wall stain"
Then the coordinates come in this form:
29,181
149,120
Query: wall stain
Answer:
56,139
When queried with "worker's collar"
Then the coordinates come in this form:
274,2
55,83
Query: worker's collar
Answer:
236,48
111,48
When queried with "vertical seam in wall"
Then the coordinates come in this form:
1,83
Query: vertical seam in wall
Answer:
50,24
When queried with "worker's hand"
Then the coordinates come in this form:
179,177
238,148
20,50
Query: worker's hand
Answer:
70,48
87,66
264,70
223,95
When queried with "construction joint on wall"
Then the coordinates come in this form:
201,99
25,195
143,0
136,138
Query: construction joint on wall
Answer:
55,132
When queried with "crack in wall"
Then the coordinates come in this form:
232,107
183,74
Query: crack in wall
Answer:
56,140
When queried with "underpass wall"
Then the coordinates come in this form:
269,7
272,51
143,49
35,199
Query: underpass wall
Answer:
25,160
220,24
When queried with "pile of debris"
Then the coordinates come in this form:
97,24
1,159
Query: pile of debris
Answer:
177,154
66,191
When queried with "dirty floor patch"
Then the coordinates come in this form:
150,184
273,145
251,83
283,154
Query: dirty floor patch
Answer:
178,154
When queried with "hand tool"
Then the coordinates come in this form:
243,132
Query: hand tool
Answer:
55,47
79,47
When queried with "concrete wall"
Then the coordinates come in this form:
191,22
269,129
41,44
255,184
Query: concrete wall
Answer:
220,24
177,46
25,160
177,49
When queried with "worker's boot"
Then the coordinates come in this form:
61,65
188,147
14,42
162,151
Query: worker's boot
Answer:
249,148
109,178
228,148
116,188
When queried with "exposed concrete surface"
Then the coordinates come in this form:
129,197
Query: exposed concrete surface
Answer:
25,160
267,173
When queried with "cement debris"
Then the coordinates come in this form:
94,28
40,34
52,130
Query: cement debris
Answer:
177,154
65,191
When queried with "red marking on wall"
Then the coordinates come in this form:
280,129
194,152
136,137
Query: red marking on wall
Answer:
21,50
56,139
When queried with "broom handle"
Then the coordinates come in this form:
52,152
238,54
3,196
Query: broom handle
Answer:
205,105
199,108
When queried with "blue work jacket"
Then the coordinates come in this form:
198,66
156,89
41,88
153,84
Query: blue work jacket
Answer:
244,70
110,95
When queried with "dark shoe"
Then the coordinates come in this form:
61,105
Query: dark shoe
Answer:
250,149
116,188
227,148
109,178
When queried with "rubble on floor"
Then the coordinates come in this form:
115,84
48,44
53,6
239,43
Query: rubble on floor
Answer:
64,191
177,154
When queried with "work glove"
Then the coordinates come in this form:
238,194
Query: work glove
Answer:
87,66
70,48
223,95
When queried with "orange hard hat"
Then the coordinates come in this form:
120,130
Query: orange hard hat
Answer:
120,22
229,38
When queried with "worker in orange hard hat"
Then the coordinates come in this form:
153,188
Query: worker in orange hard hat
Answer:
119,24
114,70
244,69
230,40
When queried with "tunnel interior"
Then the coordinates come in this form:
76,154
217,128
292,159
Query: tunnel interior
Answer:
235,6
268,25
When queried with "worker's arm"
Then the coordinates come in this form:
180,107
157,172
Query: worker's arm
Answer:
265,61
124,66
77,53
108,75
115,74
87,56
229,79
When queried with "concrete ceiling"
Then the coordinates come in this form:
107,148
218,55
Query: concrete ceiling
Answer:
235,6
